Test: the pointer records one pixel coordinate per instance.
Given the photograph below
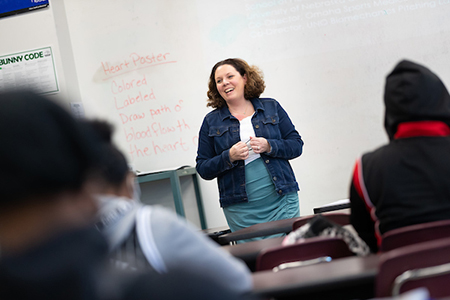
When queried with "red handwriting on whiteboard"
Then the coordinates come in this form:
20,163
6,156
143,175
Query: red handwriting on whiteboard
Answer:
136,151
177,145
159,111
125,118
118,87
135,62
165,109
154,130
159,129
133,134
146,60
122,103
170,147
112,69
178,107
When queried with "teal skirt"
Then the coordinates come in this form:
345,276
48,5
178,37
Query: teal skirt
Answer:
264,203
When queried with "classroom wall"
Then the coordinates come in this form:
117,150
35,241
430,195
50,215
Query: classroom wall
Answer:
23,34
325,61
31,31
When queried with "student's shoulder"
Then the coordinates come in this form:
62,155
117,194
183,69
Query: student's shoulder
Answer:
163,216
381,158
378,153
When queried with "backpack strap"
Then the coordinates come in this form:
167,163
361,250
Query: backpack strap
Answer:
146,239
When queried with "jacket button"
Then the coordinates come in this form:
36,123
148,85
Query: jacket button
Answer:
280,192
274,178
218,132
273,120
267,161
257,126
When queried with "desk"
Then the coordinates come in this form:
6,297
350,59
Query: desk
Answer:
337,205
248,252
174,177
214,233
257,230
265,229
343,278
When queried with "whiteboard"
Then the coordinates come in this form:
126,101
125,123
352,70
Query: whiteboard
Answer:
325,61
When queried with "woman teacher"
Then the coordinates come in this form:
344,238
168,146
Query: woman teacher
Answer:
246,142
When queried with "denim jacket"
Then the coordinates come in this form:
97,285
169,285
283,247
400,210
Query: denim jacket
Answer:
220,131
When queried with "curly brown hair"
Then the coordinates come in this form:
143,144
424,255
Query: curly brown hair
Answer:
253,88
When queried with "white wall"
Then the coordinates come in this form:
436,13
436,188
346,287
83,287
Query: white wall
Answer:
327,70
48,27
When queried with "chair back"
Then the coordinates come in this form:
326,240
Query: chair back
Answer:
413,234
424,264
315,249
340,218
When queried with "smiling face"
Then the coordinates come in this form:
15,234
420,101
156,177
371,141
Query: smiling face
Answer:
230,83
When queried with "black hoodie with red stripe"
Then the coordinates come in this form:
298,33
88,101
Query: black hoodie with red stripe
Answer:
407,181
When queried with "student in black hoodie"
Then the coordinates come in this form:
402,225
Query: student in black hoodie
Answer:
407,181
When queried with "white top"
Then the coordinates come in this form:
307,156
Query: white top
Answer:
246,131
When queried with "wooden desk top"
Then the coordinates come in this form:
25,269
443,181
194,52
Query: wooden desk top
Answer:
249,251
344,278
268,228
262,229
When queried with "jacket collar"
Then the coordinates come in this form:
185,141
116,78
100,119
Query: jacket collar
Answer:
224,112
422,128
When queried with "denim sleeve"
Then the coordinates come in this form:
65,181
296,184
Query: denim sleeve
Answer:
209,163
291,144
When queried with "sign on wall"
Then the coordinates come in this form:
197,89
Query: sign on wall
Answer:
29,70
12,7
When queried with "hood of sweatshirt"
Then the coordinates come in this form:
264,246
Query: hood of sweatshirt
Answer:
414,93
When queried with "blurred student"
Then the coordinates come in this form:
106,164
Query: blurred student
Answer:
407,181
49,248
154,238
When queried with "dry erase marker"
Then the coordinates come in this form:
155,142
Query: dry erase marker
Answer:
248,145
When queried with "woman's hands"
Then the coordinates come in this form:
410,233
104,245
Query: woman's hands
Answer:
240,150
259,144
